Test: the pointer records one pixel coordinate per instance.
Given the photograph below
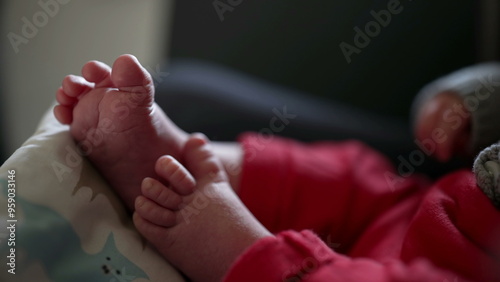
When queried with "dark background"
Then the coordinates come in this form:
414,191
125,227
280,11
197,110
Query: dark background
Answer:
3,126
296,44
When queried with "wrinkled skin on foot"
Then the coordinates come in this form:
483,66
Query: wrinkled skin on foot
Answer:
115,122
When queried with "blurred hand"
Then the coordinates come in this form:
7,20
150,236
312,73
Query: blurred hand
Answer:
445,121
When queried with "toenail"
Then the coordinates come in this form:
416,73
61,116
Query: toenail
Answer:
147,183
139,201
167,159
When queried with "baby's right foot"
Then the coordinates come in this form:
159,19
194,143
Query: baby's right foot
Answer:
115,121
198,224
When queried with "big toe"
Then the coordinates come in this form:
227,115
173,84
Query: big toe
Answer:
128,75
201,160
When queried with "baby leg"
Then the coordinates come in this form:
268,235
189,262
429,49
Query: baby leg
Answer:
197,223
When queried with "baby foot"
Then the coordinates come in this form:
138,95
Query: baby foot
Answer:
198,224
115,122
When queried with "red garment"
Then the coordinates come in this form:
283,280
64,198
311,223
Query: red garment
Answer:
374,225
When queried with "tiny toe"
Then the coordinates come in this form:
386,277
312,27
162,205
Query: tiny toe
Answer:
157,192
200,159
74,86
154,213
99,73
63,98
176,174
197,140
129,75
63,114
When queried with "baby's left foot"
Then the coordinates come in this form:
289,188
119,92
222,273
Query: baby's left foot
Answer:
198,223
114,120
